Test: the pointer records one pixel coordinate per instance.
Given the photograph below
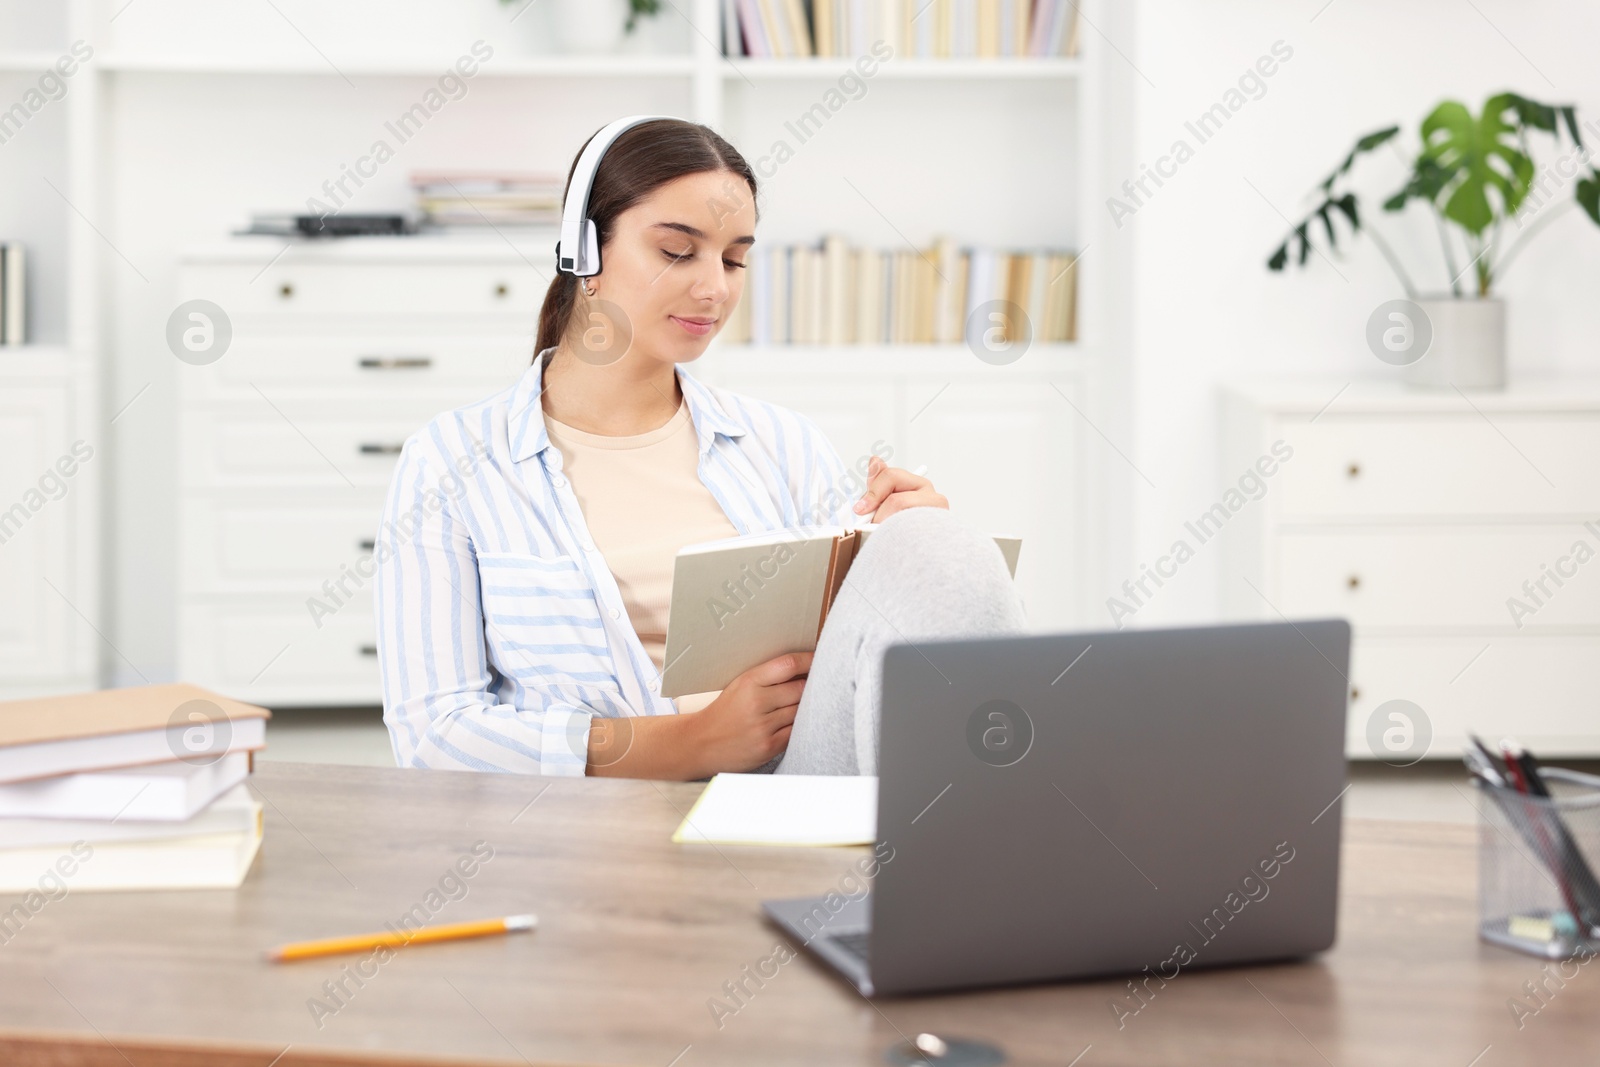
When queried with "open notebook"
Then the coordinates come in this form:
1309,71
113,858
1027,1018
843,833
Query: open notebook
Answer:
783,809
742,600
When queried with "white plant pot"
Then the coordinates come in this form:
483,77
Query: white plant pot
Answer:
588,27
1468,350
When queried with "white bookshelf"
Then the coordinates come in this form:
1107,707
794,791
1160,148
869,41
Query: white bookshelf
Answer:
49,398
171,138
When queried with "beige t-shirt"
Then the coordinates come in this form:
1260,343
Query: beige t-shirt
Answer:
643,500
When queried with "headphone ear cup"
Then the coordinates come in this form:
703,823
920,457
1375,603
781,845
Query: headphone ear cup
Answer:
590,263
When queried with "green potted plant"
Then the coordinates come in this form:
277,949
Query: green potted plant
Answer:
1477,175
595,26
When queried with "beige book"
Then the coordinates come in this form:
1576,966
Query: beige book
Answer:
1019,273
824,11
1039,276
197,861
741,601
989,28
869,296
776,26
123,728
836,277
799,30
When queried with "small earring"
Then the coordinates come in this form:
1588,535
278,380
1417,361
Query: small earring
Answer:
587,289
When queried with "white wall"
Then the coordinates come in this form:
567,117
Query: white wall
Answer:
1205,308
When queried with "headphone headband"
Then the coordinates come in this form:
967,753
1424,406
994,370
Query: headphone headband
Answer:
578,250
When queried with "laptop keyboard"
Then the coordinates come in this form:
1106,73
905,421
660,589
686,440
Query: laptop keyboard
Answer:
854,945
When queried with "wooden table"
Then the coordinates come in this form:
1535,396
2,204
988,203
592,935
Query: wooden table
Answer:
637,937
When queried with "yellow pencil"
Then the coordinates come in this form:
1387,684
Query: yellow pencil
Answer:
333,946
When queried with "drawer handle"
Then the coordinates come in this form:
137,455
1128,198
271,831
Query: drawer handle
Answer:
502,290
286,290
1355,693
367,544
1354,581
369,650
372,449
395,362
1354,470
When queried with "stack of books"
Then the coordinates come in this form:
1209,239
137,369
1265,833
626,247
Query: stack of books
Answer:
935,29
481,199
833,294
13,294
128,789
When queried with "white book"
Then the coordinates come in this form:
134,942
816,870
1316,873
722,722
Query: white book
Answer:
759,296
817,810
781,292
235,811
170,791
203,861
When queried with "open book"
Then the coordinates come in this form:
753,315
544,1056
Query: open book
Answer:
743,600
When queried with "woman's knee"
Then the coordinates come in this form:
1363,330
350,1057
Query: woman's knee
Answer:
930,550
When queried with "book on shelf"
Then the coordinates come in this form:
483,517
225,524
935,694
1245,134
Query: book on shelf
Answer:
13,294
740,601
832,294
931,29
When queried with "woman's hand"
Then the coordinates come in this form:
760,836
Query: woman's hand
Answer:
891,489
749,721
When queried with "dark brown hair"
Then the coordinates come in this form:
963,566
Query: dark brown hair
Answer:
642,160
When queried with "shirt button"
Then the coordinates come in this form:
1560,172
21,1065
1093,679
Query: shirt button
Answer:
615,614
654,685
558,481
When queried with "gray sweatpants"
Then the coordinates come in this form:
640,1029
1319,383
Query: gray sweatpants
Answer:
923,574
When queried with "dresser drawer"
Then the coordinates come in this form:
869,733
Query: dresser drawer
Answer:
1439,577
288,446
274,653
1543,690
1445,465
327,291
452,370
277,543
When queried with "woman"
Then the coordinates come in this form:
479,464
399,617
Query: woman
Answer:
522,600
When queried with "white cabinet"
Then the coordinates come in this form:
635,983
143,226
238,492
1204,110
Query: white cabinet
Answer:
339,351
1459,535
49,461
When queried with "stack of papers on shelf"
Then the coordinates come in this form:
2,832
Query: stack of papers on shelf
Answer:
451,198
128,789
784,809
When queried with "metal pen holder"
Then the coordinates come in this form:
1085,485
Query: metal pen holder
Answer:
1533,893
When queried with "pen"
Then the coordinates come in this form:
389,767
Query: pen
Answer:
1554,856
333,946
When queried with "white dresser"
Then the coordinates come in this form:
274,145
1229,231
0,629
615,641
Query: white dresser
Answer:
1447,529
340,350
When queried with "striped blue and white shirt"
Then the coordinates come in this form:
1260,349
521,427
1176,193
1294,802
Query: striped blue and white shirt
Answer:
501,631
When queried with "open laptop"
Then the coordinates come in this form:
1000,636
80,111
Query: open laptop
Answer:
1065,805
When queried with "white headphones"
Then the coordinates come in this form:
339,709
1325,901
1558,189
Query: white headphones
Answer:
578,250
